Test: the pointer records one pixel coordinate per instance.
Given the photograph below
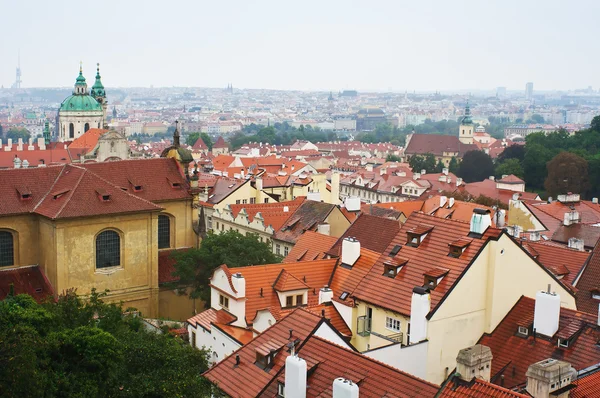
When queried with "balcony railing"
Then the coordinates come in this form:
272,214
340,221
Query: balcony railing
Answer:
363,326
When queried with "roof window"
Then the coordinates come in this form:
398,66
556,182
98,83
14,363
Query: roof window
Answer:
395,250
58,194
458,247
433,277
416,235
103,194
174,184
391,268
563,343
24,193
344,295
523,331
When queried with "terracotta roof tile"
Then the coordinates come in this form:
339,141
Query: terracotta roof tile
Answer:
511,179
590,234
220,143
559,260
373,233
476,388
199,145
589,283
437,144
208,317
395,294
37,180
347,279
88,140
286,282
273,214
241,335
25,280
513,354
327,361
587,386
310,246
306,217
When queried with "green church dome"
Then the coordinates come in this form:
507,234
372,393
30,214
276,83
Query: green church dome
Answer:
77,103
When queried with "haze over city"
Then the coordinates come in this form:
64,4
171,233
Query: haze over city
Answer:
308,45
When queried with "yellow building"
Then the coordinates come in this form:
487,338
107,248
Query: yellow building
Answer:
97,225
438,287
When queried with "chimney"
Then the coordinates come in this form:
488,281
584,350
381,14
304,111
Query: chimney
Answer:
546,313
547,376
475,361
8,146
450,202
324,229
443,201
30,146
492,178
571,217
325,295
577,244
423,172
480,221
449,180
295,377
416,176
25,164
594,200
459,182
420,306
41,144
344,388
335,188
350,251
534,236
381,171
17,162
445,171
369,167
20,144
239,283
42,163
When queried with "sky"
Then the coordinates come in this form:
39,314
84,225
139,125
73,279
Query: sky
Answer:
325,45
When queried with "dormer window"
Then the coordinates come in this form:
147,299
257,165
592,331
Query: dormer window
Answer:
264,362
433,277
137,188
458,247
416,235
174,184
103,194
563,343
523,331
596,294
24,193
391,268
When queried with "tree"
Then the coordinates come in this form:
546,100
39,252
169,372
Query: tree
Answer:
15,133
567,172
194,267
512,152
476,166
192,138
594,125
510,166
423,162
534,164
207,140
393,158
76,348
537,119
453,165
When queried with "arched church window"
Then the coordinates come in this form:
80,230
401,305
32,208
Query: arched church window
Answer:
86,127
71,130
164,231
108,249
7,249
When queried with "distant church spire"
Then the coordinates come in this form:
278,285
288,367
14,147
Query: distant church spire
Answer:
467,119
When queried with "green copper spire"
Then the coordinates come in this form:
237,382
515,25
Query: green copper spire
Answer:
98,87
80,81
47,133
467,119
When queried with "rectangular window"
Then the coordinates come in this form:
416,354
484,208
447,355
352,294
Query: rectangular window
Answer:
523,330
392,324
266,200
252,201
280,389
278,249
193,339
244,201
300,299
289,301
237,202
209,222
286,250
224,301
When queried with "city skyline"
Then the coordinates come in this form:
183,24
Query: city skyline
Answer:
385,46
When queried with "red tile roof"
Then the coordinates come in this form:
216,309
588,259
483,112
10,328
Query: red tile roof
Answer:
286,282
306,217
327,361
239,334
395,294
273,214
247,379
55,153
208,317
346,279
559,260
587,386
25,280
589,233
220,143
88,140
488,188
310,246
513,354
589,283
199,145
476,388
437,145
511,179
373,233
37,181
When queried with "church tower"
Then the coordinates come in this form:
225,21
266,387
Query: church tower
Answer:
99,95
465,131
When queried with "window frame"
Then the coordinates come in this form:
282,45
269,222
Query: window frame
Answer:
390,323
301,297
289,301
13,248
224,301
119,234
170,220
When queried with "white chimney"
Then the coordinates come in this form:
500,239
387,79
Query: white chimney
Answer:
449,180
343,388
577,244
350,251
286,209
445,171
20,144
480,220
25,164
352,203
594,200
450,202
546,313
41,144
416,176
420,306
239,283
571,217
423,172
534,236
459,182
443,201
325,295
492,178
8,145
324,229
295,377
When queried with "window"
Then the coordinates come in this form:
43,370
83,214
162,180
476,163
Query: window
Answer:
244,201
392,324
224,301
280,389
71,130
563,343
222,227
286,250
237,202
278,249
289,301
108,249
344,295
266,200
86,127
264,361
299,299
523,330
7,249
455,251
252,201
217,225
395,250
193,339
164,231
209,222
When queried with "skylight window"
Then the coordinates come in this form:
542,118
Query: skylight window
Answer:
523,331
395,250
344,295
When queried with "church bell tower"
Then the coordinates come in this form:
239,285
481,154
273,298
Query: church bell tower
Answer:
465,130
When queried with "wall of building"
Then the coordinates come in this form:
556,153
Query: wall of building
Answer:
183,216
378,325
236,307
519,214
25,238
222,345
178,307
411,359
326,332
338,222
79,119
264,319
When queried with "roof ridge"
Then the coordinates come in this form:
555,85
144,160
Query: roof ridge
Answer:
50,189
71,191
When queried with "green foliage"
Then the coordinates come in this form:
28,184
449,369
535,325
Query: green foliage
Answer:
279,134
15,133
510,166
76,348
453,165
567,172
512,152
393,158
207,140
423,162
536,119
194,267
475,166
192,138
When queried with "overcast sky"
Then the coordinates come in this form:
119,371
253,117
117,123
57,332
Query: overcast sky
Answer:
308,45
